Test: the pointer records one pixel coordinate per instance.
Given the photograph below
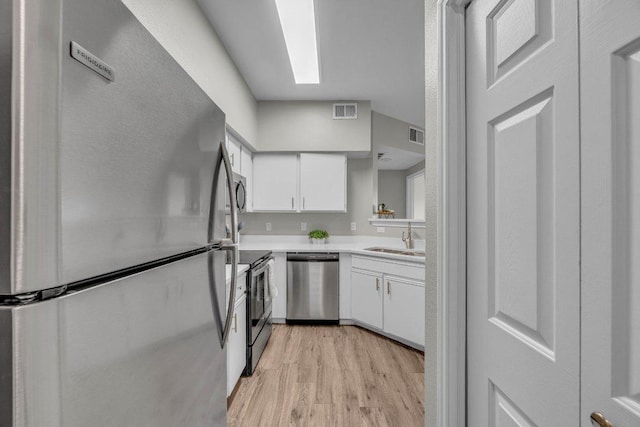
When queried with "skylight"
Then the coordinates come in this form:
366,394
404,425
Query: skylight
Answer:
298,22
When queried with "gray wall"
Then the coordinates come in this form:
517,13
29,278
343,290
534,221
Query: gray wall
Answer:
392,191
415,168
391,132
184,31
309,126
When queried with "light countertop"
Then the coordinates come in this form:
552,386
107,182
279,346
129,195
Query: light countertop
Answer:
344,244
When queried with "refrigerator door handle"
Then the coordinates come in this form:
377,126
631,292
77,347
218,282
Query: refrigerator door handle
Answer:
226,244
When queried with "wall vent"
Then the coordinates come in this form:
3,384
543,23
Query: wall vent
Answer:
416,135
345,111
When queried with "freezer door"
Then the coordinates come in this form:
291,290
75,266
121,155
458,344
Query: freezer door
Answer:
114,150
141,351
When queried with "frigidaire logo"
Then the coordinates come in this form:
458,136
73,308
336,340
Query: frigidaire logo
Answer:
85,57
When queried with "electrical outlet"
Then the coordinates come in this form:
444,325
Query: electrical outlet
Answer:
380,229
353,226
268,224
303,226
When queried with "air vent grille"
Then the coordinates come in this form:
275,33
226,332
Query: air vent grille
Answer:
416,135
345,111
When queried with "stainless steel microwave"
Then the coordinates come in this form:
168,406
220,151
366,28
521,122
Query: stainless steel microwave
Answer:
240,188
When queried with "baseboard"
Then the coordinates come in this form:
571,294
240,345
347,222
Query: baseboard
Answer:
402,341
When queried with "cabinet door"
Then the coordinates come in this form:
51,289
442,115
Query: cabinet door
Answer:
404,308
241,286
275,182
279,303
323,182
237,344
366,297
234,149
246,170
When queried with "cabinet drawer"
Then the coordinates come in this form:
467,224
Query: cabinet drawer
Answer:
411,271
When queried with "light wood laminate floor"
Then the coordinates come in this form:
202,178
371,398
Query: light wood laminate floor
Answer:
331,376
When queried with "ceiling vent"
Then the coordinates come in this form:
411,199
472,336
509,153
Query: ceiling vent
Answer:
416,135
345,111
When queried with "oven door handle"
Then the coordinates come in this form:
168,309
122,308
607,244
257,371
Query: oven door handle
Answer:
260,270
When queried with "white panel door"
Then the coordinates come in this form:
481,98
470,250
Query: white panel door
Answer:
275,182
404,309
323,182
523,319
366,297
610,108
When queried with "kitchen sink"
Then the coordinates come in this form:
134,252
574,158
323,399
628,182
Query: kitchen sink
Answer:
409,252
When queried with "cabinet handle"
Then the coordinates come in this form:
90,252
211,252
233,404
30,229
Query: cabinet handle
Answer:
377,284
233,161
235,322
388,288
292,203
303,202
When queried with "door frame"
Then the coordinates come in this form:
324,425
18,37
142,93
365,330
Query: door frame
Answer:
409,183
451,206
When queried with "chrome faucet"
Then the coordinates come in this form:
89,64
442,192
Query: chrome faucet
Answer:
408,241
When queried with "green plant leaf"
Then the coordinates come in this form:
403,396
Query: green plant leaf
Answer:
318,234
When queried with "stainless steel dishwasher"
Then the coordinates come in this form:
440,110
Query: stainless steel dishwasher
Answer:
313,282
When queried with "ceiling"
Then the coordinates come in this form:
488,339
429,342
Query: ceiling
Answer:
368,50
390,158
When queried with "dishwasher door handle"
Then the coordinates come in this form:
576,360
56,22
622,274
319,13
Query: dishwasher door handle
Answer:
313,257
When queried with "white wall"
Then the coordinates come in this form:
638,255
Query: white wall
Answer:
184,31
309,126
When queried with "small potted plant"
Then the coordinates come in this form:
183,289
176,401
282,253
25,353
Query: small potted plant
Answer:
318,236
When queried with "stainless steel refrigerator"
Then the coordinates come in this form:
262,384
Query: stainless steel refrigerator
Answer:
112,225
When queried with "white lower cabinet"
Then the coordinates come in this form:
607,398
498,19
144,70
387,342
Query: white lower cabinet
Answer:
366,297
387,301
404,308
237,344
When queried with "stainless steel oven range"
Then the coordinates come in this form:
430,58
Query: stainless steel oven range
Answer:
259,323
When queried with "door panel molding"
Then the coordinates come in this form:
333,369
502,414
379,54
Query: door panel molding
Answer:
610,197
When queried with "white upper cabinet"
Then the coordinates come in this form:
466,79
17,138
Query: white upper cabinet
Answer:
307,182
323,182
235,150
275,183
246,170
